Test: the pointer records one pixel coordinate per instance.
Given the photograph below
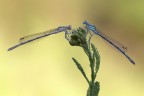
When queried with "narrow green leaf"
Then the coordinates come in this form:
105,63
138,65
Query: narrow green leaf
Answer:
97,56
81,69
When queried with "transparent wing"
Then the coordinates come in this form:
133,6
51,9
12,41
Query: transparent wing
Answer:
37,35
115,42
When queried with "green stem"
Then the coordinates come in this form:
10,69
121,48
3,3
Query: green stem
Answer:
78,38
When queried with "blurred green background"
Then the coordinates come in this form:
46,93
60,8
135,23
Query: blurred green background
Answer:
44,67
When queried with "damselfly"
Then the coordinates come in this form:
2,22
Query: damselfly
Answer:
118,46
33,37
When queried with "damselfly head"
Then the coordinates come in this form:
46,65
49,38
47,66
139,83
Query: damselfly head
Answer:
69,27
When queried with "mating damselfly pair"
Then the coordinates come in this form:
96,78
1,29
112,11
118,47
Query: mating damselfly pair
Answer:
88,27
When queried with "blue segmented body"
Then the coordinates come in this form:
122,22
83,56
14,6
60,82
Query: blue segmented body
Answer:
93,28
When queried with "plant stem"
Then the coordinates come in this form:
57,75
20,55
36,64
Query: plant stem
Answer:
78,38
